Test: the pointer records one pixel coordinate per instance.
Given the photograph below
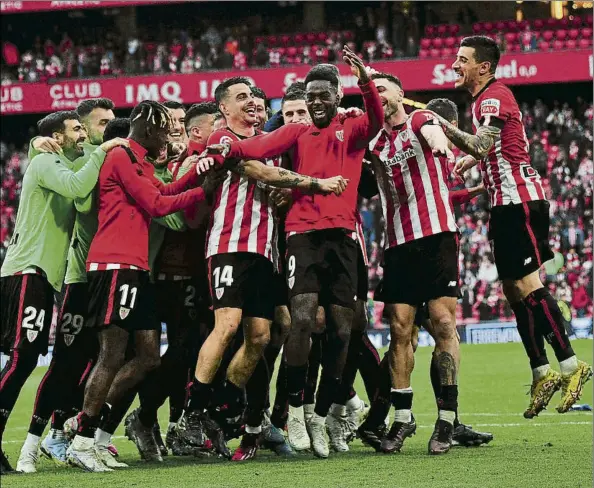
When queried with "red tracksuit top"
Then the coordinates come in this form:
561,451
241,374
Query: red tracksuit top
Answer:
128,197
321,153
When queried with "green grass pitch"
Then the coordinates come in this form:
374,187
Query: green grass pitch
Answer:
550,451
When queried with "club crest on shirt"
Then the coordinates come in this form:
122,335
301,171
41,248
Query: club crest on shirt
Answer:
219,293
124,312
225,140
291,282
69,339
32,335
404,135
340,135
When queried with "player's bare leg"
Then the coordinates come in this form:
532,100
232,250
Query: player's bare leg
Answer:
112,348
402,361
442,314
304,309
544,318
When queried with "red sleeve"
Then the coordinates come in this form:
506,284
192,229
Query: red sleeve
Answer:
420,118
267,145
367,126
458,197
186,182
144,192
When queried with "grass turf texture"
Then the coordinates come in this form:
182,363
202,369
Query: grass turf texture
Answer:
551,450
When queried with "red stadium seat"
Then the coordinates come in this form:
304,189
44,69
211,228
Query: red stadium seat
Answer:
551,23
548,35
285,39
589,20
281,50
573,34
488,26
434,53
292,51
437,42
584,43
430,30
447,52
576,21
348,35
299,38
478,28
454,29
514,47
511,37
564,22
271,40
450,42
425,43
558,45
311,37
544,46
442,29
512,26
259,40
571,44
561,34
500,26
586,32
423,53
322,37
522,25
538,24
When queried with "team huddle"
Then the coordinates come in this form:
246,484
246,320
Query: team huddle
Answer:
242,234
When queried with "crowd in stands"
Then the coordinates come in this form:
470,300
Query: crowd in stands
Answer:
561,150
386,32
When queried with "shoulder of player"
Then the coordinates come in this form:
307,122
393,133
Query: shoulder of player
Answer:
44,159
222,136
497,91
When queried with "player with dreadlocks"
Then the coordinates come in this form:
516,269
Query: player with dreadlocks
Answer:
121,299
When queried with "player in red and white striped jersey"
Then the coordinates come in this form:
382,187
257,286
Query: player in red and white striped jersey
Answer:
519,224
239,251
410,161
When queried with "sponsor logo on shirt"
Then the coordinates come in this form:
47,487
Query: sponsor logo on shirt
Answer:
490,106
527,261
340,135
401,156
528,171
452,283
124,312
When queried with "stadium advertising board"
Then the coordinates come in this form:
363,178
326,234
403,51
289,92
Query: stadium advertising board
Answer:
416,75
14,7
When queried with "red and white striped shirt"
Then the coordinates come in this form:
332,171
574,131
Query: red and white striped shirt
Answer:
412,182
242,219
507,173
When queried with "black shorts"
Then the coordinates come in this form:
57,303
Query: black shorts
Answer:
362,277
519,235
122,297
73,334
280,291
323,262
182,305
27,306
421,270
242,280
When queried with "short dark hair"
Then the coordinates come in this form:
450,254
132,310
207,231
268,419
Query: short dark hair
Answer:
485,50
293,95
296,86
173,105
259,93
118,127
200,109
153,113
55,122
387,76
85,107
444,107
322,73
222,90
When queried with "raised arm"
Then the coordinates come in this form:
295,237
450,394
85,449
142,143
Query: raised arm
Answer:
266,145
